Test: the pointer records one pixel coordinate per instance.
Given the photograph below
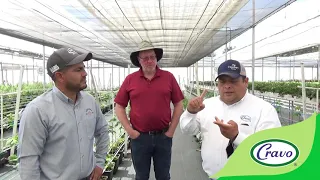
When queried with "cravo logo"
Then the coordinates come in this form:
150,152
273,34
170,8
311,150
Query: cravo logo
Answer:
274,152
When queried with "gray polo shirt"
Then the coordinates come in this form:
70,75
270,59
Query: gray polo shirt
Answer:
56,137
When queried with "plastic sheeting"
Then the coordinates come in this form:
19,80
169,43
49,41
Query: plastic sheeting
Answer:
187,30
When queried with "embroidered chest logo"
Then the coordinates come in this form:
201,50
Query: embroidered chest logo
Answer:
89,112
245,118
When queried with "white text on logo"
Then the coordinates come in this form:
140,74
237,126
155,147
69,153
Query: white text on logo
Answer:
233,67
71,51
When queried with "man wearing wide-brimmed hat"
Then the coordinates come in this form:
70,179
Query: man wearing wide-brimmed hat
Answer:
145,46
150,92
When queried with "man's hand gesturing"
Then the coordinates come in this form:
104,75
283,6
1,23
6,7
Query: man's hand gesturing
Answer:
196,104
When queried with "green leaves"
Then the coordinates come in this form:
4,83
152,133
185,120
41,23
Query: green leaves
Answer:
285,88
280,87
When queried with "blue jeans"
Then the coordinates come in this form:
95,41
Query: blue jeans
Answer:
146,147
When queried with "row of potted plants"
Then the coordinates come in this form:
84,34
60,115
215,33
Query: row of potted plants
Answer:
116,148
114,158
5,157
27,95
280,87
31,91
116,133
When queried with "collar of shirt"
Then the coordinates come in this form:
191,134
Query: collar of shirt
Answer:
158,72
65,98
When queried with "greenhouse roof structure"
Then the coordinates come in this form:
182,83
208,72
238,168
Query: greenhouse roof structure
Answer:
308,55
187,30
311,48
19,52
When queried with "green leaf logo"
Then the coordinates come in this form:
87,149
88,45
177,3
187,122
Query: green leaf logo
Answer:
274,152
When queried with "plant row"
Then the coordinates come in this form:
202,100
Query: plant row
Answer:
280,87
30,92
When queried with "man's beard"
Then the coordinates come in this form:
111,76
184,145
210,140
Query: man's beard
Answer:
75,87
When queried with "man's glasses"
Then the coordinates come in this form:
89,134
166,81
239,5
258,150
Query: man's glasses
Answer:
147,58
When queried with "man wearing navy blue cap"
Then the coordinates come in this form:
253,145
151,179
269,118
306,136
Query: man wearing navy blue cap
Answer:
226,120
231,68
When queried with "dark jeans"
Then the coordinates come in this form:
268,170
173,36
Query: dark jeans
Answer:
156,146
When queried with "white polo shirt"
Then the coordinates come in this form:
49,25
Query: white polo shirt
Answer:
251,113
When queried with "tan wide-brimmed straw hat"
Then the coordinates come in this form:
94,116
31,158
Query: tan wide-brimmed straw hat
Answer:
145,45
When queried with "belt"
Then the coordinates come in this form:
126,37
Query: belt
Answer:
155,132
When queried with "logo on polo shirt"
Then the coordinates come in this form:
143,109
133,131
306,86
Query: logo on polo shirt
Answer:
233,67
89,112
245,118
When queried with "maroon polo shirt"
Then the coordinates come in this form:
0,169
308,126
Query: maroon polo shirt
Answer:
149,99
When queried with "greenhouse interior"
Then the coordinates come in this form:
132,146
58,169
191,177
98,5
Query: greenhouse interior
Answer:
276,41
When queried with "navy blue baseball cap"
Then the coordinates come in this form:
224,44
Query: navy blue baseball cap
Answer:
231,68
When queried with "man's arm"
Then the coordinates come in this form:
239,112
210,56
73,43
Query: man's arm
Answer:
32,138
190,119
177,111
102,138
190,123
121,101
269,119
176,98
122,116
